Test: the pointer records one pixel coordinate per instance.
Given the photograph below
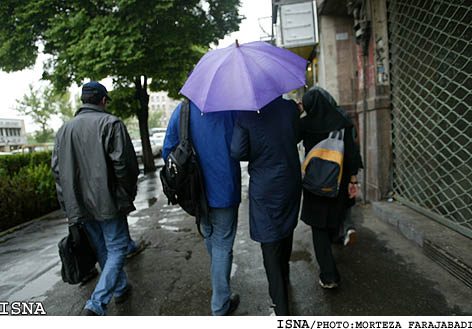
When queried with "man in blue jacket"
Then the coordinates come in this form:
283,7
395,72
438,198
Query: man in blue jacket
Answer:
211,135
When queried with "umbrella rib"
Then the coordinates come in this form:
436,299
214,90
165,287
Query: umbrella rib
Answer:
256,97
271,78
213,79
276,60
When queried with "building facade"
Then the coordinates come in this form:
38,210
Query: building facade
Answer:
12,134
403,69
161,102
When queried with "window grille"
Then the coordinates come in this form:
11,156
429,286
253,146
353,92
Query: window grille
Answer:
431,76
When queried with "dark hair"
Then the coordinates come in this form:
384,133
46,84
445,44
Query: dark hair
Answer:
95,99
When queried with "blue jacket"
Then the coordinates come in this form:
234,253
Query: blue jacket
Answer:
268,140
211,135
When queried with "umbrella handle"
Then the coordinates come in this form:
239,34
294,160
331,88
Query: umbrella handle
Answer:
237,43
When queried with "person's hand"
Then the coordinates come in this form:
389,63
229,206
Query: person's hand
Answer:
300,106
353,187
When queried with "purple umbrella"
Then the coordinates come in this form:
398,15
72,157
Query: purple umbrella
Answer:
243,77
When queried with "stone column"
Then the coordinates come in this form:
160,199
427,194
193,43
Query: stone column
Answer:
378,159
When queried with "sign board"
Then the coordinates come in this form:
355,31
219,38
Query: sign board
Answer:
342,36
11,123
298,25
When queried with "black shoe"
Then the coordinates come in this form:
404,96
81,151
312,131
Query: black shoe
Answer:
233,304
87,312
122,298
139,248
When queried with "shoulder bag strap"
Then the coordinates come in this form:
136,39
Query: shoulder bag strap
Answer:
184,120
337,134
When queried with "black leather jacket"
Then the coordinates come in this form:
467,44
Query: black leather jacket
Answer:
94,166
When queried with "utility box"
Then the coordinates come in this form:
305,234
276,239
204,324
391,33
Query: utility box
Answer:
298,25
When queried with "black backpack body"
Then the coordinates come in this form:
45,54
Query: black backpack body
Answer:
181,177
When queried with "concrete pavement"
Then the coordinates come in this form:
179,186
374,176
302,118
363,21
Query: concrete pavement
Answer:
382,274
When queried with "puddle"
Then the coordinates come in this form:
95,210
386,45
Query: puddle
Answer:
171,210
234,268
29,260
166,220
174,228
35,289
144,204
132,220
170,228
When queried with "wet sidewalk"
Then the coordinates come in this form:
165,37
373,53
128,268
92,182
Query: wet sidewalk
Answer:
382,274
29,259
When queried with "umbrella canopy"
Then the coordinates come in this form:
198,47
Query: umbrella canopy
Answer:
243,77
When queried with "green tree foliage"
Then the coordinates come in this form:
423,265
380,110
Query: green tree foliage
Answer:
64,107
42,104
30,139
38,104
139,43
124,103
155,118
44,136
132,125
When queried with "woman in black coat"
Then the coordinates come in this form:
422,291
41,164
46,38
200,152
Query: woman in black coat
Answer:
325,214
268,140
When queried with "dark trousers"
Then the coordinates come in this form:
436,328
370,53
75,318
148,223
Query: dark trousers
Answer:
322,243
276,263
346,225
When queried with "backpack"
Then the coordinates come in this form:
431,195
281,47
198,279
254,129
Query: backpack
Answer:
323,166
77,253
181,176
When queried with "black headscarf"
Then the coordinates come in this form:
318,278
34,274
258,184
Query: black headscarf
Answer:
322,111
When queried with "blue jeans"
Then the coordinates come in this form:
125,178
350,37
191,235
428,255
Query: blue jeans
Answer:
111,240
131,246
220,248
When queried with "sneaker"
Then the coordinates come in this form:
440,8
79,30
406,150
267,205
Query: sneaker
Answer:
233,304
350,237
272,310
122,298
329,285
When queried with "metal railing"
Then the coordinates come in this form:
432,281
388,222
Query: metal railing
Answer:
431,70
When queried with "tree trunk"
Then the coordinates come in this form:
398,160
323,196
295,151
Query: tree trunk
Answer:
143,113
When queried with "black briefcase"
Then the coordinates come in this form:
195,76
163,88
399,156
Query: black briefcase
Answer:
77,254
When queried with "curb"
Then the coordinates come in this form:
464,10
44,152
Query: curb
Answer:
449,249
53,214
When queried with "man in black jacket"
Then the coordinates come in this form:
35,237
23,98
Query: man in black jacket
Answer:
95,169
